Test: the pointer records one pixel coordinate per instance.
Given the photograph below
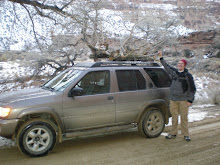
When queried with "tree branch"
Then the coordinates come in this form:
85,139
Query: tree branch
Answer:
46,7
35,36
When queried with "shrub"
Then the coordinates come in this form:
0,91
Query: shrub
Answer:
176,54
3,58
217,43
187,53
218,55
217,46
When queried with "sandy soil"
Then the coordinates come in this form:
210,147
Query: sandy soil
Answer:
129,148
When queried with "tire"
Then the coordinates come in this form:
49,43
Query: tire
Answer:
152,123
36,138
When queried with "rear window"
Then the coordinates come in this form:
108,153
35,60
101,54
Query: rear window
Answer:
159,76
129,80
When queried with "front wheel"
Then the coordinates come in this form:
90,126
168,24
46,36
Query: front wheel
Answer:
152,123
36,138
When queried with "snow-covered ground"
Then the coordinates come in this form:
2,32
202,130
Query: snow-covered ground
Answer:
8,70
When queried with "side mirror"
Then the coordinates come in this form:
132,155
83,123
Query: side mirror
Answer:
75,92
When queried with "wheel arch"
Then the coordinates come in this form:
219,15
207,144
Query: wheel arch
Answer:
46,114
155,104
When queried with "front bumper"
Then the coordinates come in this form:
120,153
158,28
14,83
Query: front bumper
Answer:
7,127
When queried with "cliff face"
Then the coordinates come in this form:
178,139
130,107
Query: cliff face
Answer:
196,14
201,39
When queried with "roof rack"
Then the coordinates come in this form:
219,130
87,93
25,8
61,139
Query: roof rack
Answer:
117,64
125,63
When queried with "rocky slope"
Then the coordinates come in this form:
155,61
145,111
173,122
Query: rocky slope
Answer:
198,14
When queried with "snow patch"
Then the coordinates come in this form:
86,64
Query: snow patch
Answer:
6,143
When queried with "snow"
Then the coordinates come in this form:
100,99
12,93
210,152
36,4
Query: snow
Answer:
6,142
204,85
112,23
213,1
16,27
181,30
10,70
196,115
166,7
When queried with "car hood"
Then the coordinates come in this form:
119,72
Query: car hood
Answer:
22,95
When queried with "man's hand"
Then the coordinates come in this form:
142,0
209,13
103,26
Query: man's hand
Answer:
160,54
189,104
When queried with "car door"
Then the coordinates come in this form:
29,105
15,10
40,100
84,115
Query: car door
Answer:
132,94
95,107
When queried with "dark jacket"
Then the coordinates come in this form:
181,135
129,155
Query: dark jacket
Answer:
182,87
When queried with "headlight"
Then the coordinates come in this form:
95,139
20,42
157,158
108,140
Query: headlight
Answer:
4,112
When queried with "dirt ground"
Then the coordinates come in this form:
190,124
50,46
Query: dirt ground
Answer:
129,148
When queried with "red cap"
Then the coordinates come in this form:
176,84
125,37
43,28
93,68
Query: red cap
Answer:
184,61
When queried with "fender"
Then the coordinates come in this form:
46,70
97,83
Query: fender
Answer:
41,110
158,103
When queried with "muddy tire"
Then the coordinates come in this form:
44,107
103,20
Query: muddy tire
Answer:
152,123
36,138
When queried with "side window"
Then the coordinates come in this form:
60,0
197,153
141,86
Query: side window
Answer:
141,83
96,82
159,76
129,80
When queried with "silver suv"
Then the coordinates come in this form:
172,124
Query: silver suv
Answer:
87,99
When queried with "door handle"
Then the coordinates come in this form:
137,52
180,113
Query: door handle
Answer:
110,98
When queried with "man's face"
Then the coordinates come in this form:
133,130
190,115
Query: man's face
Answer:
181,66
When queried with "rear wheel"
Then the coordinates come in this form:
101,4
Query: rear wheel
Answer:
152,123
36,138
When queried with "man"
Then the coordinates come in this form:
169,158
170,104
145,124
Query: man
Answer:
182,92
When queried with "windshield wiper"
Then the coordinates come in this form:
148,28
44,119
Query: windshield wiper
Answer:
46,87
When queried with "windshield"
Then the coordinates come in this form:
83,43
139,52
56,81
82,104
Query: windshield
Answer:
62,80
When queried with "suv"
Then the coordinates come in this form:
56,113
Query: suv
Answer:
87,99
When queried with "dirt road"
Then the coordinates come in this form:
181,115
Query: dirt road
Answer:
129,148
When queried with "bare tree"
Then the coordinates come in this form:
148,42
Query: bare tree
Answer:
83,18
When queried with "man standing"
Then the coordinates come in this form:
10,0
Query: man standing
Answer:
182,92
